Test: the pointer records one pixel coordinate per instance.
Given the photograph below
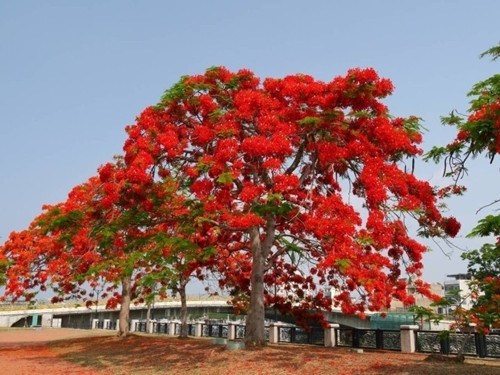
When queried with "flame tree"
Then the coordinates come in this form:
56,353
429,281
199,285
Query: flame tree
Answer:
294,168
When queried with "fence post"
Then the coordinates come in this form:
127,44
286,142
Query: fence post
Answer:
231,330
274,333
171,327
106,323
408,338
95,323
293,334
330,339
379,339
480,340
355,338
198,331
150,326
444,342
133,324
221,329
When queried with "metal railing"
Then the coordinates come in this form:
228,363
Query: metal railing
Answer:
191,329
297,335
141,326
473,344
368,338
214,330
470,344
240,330
160,327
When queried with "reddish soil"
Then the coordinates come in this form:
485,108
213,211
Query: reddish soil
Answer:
63,351
26,351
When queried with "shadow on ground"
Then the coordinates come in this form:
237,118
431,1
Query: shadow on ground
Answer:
138,354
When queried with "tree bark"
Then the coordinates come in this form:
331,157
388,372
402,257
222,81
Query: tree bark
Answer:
255,324
184,314
255,332
124,317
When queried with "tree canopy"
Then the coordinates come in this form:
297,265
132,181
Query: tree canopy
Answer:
285,189
478,133
292,170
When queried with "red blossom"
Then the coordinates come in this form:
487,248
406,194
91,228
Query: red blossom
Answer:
451,226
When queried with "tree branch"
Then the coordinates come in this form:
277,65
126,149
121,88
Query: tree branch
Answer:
488,205
298,158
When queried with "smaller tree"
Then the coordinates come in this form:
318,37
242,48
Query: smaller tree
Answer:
484,267
478,134
95,239
35,262
425,314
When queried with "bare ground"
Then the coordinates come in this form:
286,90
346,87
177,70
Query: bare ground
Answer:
64,351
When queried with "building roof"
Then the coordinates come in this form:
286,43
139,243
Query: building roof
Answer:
460,276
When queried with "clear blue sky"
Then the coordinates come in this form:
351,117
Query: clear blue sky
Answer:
74,73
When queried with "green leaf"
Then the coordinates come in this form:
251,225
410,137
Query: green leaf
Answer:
308,121
490,225
274,197
208,252
364,241
72,218
213,69
361,114
494,52
217,113
202,167
412,124
333,114
176,92
436,154
452,119
180,244
225,178
343,264
290,246
279,210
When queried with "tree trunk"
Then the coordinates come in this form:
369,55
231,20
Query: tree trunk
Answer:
466,337
184,314
255,332
125,307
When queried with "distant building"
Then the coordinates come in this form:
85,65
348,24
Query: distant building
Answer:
455,286
457,289
420,300
397,306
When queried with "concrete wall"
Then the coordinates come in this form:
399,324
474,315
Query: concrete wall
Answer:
25,320
10,320
81,317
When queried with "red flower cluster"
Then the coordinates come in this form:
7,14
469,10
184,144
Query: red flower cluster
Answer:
225,171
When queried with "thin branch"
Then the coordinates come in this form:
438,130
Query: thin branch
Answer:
298,158
488,205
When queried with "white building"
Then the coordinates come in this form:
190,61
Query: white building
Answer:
459,282
420,300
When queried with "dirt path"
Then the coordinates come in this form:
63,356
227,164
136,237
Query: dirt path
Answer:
25,352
